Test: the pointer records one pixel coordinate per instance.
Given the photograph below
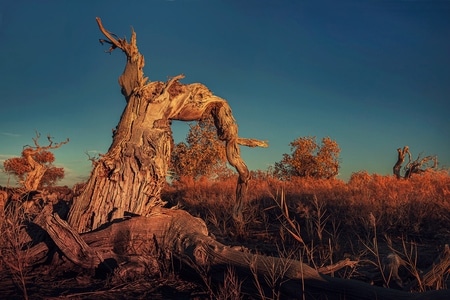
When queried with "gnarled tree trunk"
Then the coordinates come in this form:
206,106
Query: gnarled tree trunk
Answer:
130,176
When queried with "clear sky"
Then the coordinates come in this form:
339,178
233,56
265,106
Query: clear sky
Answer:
372,75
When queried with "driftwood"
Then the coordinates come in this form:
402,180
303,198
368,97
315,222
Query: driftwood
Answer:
137,240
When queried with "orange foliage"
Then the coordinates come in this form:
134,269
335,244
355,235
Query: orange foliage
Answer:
203,154
420,205
19,166
310,159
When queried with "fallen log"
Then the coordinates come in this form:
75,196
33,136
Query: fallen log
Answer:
138,239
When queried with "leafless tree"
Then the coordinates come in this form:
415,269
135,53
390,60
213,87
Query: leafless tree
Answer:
417,166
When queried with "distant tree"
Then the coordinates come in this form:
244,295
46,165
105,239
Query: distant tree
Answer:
417,166
34,168
309,159
359,179
203,154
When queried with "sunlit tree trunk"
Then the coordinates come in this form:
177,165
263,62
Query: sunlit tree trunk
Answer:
130,176
33,178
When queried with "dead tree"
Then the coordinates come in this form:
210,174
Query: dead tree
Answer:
417,166
130,176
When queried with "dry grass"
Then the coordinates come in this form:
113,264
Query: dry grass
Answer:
365,219
14,245
419,206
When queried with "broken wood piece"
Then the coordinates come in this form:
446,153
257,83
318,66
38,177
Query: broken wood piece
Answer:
70,242
337,266
252,142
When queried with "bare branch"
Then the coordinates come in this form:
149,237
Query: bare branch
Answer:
252,142
49,138
93,159
110,36
337,266
427,159
35,140
37,147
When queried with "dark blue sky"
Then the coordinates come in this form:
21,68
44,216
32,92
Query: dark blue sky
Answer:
372,75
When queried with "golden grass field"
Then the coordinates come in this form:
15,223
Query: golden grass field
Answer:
361,223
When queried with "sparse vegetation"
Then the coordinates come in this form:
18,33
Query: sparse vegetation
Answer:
356,230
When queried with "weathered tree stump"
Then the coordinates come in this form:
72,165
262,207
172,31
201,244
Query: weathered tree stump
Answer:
130,176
